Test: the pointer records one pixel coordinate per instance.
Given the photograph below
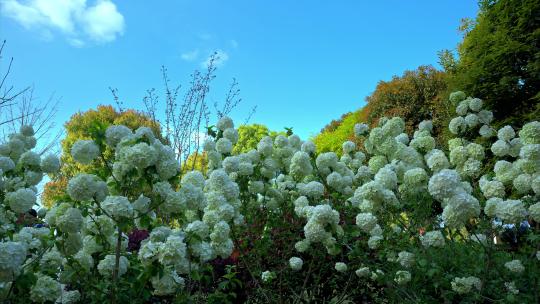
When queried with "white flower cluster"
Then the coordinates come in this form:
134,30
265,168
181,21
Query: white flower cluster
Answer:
341,267
46,289
402,277
465,285
106,266
515,266
268,276
506,143
84,151
296,263
459,205
12,256
470,116
21,170
432,239
406,259
466,157
321,221
511,287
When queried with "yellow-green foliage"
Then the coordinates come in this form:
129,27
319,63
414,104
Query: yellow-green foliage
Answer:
195,161
250,135
91,124
331,139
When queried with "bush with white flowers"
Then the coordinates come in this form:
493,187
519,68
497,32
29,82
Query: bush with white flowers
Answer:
413,218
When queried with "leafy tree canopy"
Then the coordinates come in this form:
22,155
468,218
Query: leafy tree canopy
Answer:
415,96
89,125
250,135
499,59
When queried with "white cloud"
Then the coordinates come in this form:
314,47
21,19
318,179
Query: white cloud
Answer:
191,55
219,57
102,22
99,22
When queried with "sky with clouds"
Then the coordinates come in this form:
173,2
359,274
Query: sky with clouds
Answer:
302,63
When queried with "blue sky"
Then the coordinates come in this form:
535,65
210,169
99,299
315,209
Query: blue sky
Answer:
302,63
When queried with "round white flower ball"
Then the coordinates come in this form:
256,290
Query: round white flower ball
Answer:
84,151
225,123
522,183
500,148
432,239
515,266
83,187
406,259
107,265
475,104
511,211
485,116
115,134
6,164
296,263
340,267
362,272
530,133
465,285
444,184
27,130
462,107
231,134
366,221
493,189
308,147
70,221
46,289
30,159
534,212
402,277
224,146
457,96
506,133
167,284
268,276
21,200
50,164
490,209
486,131
117,206
360,129
457,125
12,256
302,246
348,147
472,120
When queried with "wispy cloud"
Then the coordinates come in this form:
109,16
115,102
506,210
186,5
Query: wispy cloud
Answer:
219,58
78,21
191,55
234,43
205,36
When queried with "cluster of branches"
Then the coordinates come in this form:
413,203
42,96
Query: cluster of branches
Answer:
19,107
186,119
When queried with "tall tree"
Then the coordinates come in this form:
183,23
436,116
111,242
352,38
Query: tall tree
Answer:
415,96
499,59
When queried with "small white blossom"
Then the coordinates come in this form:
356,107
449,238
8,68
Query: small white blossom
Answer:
340,267
514,266
296,263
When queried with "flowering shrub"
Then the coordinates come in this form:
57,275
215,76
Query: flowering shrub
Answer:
396,219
